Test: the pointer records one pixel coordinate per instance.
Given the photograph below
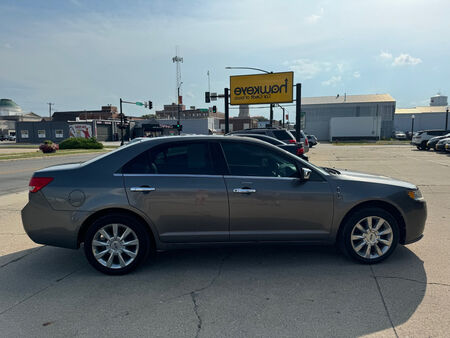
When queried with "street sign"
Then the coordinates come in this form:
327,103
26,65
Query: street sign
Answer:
262,88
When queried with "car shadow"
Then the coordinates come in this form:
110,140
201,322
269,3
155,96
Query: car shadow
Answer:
300,290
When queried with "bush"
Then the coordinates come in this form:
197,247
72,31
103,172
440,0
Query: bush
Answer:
48,147
80,143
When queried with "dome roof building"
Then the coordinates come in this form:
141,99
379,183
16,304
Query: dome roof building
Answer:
9,108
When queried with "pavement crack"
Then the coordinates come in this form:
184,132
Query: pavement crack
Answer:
412,280
199,319
21,257
39,291
384,302
207,286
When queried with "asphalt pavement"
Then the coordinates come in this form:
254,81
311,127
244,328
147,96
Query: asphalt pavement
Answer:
264,291
15,174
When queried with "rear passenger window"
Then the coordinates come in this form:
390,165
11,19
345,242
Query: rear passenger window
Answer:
182,158
138,165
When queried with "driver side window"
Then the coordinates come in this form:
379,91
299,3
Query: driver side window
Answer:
253,160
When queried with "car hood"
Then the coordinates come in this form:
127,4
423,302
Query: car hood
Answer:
363,177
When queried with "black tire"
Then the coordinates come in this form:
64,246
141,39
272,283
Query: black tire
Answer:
142,249
345,242
424,145
419,148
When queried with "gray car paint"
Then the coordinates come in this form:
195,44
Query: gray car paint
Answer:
188,209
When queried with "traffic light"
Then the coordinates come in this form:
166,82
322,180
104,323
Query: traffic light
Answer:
207,97
125,120
150,104
214,109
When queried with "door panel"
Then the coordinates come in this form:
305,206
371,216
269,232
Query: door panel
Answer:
279,209
183,208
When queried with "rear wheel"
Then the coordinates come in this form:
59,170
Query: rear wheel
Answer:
116,244
370,235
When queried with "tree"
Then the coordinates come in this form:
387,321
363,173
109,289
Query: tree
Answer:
149,116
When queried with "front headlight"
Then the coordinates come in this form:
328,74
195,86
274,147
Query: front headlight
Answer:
415,194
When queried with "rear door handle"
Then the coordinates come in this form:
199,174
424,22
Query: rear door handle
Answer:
141,189
244,190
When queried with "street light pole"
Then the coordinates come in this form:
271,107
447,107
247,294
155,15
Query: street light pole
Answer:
412,124
260,70
446,120
121,123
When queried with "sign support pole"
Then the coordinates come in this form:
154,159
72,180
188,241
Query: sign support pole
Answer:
227,113
121,123
298,109
271,115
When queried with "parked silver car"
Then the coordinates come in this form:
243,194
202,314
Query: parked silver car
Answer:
172,192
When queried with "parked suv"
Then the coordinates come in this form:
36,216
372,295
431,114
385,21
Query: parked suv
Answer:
421,138
278,133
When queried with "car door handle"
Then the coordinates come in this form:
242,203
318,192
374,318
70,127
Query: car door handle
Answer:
244,190
141,189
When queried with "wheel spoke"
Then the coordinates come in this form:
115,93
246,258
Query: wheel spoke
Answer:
98,243
360,246
99,255
115,230
110,260
125,234
369,223
105,234
133,242
369,246
121,260
385,232
360,227
379,224
380,253
129,253
385,242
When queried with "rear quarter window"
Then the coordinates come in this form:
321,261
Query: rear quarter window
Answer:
282,134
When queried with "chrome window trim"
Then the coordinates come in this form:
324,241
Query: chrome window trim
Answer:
168,175
261,177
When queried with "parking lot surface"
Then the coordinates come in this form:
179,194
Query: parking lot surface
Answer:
265,291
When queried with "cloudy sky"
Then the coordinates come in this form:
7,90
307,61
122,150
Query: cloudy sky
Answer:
82,54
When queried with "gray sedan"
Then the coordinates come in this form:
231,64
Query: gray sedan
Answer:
172,192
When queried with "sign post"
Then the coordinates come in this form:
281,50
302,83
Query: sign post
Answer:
298,109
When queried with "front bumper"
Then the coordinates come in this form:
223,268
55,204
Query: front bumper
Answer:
415,221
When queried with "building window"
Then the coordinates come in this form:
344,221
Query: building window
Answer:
41,133
24,133
59,133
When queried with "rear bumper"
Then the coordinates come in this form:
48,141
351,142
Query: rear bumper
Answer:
47,226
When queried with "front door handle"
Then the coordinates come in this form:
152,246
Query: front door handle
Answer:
244,190
141,189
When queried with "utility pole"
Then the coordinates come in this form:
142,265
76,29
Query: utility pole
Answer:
283,115
121,123
50,109
446,120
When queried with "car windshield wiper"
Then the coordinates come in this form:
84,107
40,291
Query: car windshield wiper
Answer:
331,170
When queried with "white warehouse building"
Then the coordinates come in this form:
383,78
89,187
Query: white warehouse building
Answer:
427,117
349,116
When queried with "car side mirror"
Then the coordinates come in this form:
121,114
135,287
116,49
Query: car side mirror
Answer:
305,173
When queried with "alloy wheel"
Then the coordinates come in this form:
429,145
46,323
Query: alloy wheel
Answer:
115,246
372,237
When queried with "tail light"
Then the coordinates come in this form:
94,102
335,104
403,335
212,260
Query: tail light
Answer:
300,151
306,141
292,141
37,183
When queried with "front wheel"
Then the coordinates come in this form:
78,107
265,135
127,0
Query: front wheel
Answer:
370,235
116,244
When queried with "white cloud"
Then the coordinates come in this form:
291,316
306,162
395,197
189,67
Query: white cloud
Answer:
333,81
340,67
7,46
308,69
356,75
314,18
406,59
385,55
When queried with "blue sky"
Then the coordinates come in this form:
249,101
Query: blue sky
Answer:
83,54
